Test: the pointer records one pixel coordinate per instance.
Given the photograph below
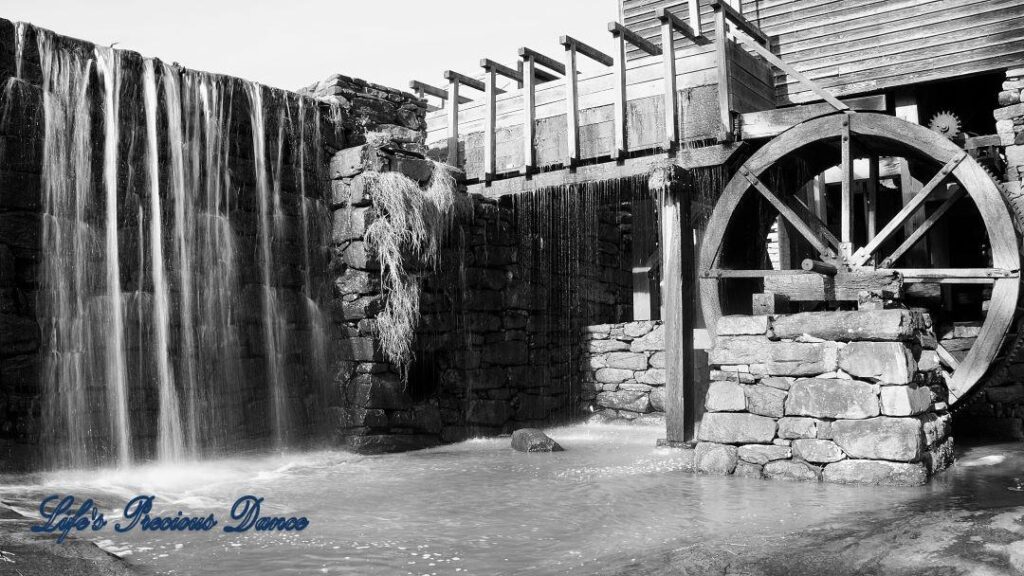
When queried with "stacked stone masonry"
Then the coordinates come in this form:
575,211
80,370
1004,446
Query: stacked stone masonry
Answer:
624,372
845,397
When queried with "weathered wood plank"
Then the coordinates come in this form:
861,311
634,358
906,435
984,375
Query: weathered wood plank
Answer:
771,123
843,287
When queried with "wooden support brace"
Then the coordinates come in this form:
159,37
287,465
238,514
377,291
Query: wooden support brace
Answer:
543,60
924,228
456,81
724,80
871,200
529,115
671,93
678,296
618,30
620,148
665,16
846,167
424,88
788,213
491,129
694,9
572,102
739,21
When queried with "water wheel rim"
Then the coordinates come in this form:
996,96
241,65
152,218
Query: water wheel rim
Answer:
923,143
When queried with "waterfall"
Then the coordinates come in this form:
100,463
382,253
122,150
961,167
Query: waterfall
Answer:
68,274
155,228
268,219
170,444
109,66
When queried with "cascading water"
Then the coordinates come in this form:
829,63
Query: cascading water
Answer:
268,211
149,235
170,443
109,66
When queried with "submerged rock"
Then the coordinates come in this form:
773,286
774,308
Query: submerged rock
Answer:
533,440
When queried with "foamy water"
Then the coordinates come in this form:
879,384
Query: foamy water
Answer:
480,508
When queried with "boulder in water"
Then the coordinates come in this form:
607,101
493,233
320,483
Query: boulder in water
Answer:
533,440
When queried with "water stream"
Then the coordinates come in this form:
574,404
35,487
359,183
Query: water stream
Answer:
480,508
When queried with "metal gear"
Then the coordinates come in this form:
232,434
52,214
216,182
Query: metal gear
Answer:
947,124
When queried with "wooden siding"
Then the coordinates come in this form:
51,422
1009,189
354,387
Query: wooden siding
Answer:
859,46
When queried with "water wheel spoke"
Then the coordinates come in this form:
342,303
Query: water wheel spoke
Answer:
805,213
846,166
787,212
906,212
924,228
953,275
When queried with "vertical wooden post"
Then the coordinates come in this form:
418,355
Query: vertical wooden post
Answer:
695,17
678,294
846,220
619,148
722,57
906,109
453,122
668,54
572,105
491,126
871,197
529,114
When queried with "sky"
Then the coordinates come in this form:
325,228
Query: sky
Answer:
293,43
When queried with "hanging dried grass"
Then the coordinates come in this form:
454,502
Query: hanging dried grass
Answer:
409,229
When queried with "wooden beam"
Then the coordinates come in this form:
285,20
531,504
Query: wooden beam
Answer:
491,129
572,105
619,146
924,228
618,30
739,21
788,213
666,17
587,50
951,275
771,123
453,120
422,87
529,115
694,10
842,287
724,76
846,166
785,67
502,70
678,297
546,61
464,80
671,92
871,198
905,213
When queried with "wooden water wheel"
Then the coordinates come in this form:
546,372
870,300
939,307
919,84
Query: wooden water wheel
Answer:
835,257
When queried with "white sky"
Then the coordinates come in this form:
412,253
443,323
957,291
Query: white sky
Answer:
293,43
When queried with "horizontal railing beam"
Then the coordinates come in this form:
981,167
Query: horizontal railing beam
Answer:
739,21
586,50
618,30
545,61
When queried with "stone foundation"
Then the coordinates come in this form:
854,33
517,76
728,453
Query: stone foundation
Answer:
845,397
624,371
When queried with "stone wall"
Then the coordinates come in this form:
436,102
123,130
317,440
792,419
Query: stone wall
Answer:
845,397
624,372
499,343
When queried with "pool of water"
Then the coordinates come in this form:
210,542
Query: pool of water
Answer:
480,508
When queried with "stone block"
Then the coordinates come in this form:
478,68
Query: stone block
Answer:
489,412
351,161
657,399
657,360
801,359
936,427
877,325
651,342
876,473
764,453
711,458
905,400
817,451
1009,112
748,470
884,362
818,398
882,438
732,350
940,456
765,401
627,360
350,223
377,391
613,375
725,397
778,382
792,470
736,428
414,168
632,400
742,326
511,353
653,377
741,377
792,428
605,346
637,329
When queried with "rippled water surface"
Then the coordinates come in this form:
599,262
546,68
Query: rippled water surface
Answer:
480,508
